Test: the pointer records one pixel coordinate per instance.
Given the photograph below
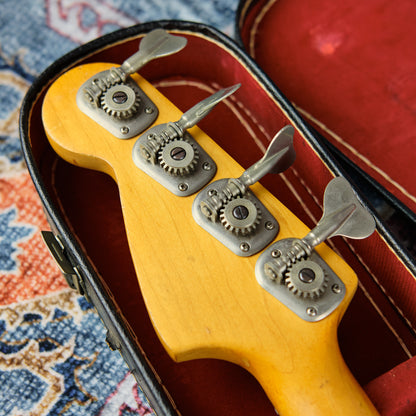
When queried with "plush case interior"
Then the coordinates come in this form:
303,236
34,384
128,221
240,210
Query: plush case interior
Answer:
350,72
377,333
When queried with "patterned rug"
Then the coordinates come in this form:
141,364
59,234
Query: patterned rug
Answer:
53,356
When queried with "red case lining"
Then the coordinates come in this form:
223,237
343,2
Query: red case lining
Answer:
350,71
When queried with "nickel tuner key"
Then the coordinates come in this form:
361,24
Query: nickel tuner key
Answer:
232,213
155,44
169,153
293,272
114,100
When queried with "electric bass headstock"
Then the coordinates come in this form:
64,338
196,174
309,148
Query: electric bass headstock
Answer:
212,248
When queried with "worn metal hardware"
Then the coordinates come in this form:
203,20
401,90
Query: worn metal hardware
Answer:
231,212
155,44
114,100
171,156
181,176
70,272
343,215
295,274
123,120
279,156
243,235
112,341
310,303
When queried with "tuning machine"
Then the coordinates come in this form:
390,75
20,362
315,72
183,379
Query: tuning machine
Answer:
231,212
170,155
114,100
293,272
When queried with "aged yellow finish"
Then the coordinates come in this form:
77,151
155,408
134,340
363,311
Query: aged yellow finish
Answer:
203,300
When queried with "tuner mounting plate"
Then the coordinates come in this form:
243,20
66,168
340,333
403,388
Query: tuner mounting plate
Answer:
123,109
246,239
311,304
177,174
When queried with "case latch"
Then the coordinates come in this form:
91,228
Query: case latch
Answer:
71,273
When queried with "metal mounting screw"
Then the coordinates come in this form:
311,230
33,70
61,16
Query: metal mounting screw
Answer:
148,110
336,289
240,212
206,166
119,97
276,253
311,311
183,187
269,225
178,153
244,247
212,192
307,275
124,130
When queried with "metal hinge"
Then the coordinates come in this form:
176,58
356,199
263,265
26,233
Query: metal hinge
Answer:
59,253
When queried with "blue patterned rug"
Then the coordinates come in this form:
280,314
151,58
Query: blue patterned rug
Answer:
53,355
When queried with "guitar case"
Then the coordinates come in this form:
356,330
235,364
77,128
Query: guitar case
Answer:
377,333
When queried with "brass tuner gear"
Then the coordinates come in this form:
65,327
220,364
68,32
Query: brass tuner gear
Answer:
178,157
240,215
120,101
306,279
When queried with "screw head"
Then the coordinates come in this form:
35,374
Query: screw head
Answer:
311,311
240,212
178,153
307,275
119,97
244,247
336,288
183,187
148,110
269,225
124,130
212,192
206,166
276,253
